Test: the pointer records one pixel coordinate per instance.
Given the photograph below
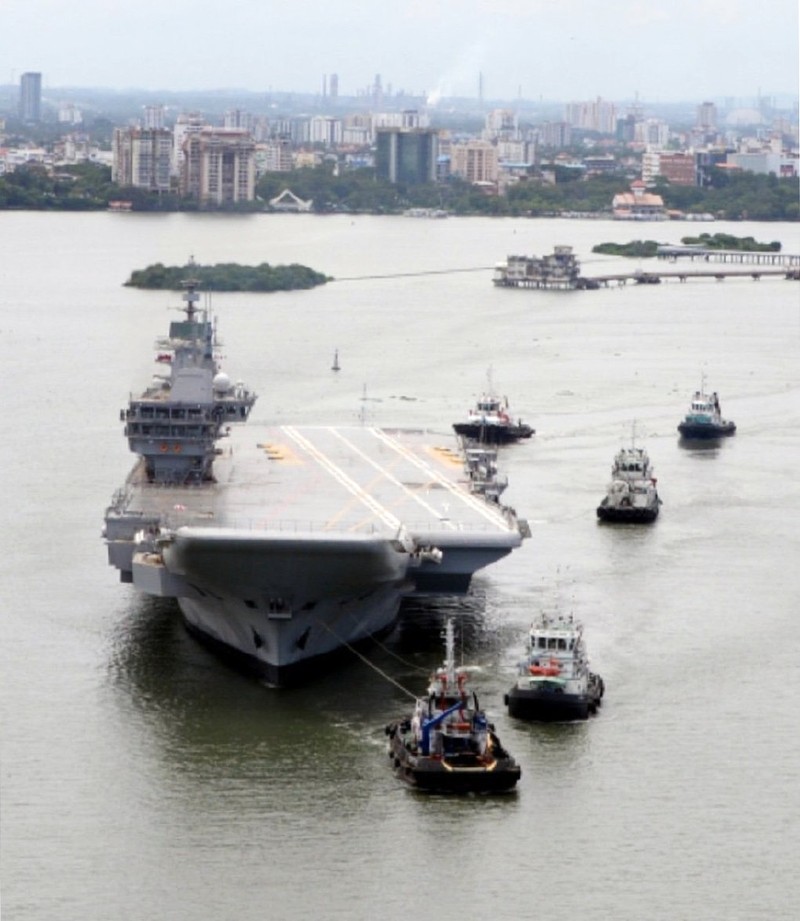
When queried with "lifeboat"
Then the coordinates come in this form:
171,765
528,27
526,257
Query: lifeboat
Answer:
545,670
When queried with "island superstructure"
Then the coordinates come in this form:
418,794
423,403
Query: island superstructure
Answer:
284,543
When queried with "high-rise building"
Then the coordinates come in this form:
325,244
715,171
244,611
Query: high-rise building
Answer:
474,161
275,156
555,134
705,129
651,132
707,116
154,116
142,158
219,166
326,130
406,154
30,97
185,123
238,118
678,168
594,115
501,124
69,114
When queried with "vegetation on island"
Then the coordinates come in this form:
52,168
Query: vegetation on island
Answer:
644,249
227,277
640,249
728,241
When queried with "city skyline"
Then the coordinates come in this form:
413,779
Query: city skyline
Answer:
502,49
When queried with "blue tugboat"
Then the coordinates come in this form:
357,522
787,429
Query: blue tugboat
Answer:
704,419
448,745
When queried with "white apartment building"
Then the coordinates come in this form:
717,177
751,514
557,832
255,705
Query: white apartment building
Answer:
153,116
501,124
274,156
651,132
142,158
184,126
595,115
474,161
326,130
515,151
409,118
651,166
69,114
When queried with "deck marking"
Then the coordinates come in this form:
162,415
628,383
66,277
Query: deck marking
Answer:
385,473
478,505
341,477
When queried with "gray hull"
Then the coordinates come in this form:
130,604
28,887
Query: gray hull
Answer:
280,597
278,604
284,653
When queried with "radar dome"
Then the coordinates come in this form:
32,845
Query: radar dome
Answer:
222,383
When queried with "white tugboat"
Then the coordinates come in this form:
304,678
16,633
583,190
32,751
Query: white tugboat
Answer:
554,683
632,495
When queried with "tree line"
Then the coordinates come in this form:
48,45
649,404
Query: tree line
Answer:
729,195
643,249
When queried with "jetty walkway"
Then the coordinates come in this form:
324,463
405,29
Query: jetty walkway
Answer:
742,257
654,278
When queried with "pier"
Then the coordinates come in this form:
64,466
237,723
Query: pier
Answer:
640,277
561,270
655,278
732,256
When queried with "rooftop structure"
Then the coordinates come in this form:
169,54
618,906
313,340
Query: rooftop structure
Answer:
638,204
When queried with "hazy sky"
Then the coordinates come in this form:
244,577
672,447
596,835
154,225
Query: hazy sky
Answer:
554,49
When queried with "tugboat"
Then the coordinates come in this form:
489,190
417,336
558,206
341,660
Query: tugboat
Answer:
489,422
704,419
554,683
632,496
448,745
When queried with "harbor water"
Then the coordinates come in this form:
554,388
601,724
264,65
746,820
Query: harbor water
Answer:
142,778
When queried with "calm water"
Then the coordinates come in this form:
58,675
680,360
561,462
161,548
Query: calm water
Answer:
143,779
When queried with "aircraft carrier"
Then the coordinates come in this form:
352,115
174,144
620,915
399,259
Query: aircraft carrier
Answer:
283,544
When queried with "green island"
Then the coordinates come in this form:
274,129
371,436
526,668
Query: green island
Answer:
640,249
643,249
728,241
227,276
